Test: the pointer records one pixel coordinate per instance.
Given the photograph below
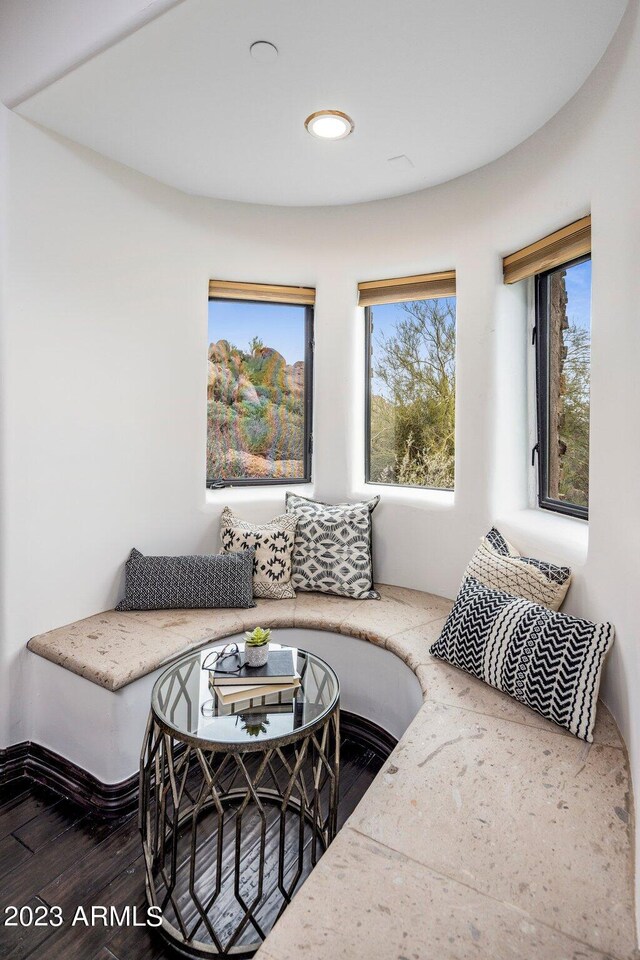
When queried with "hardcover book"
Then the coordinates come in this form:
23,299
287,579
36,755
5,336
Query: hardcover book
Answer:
250,692
275,694
279,668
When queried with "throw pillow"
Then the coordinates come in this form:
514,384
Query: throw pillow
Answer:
497,564
273,546
169,583
333,548
546,660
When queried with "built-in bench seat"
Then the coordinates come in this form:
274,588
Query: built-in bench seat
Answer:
113,649
489,833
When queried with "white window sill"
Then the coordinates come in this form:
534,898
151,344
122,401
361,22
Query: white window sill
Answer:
258,494
550,536
411,496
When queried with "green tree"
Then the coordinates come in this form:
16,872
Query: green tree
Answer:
573,425
413,408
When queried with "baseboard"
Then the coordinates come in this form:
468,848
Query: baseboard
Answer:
367,733
43,766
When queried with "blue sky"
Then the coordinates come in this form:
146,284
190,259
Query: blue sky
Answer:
282,327
279,326
386,315
578,281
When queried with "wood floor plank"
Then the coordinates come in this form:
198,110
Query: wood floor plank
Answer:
14,788
17,942
82,940
141,943
135,943
49,824
12,854
352,793
97,868
63,853
105,954
85,861
20,809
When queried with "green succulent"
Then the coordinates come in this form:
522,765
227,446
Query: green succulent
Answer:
258,637
255,727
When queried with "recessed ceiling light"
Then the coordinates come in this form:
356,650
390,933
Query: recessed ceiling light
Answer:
329,125
263,51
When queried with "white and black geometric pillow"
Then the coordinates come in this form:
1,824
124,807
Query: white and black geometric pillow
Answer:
333,547
174,583
546,660
497,564
273,546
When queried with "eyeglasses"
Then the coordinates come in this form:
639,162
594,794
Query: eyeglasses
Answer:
228,660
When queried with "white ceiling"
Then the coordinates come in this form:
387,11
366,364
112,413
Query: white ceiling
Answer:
40,40
450,84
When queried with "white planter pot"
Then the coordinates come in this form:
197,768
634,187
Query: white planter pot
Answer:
256,656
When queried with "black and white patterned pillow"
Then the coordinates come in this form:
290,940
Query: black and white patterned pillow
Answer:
273,546
170,583
333,547
498,565
546,660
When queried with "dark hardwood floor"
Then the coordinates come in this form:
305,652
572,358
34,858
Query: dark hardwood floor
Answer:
54,853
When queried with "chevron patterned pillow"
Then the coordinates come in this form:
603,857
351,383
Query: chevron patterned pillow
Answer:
332,552
546,660
273,545
498,565
170,583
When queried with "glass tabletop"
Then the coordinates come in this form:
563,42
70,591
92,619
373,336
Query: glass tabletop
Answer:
185,701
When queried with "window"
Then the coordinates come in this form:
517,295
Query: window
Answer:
260,386
561,265
563,347
410,377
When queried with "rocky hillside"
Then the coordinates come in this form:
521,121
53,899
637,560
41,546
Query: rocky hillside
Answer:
255,414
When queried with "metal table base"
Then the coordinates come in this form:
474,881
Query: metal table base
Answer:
229,833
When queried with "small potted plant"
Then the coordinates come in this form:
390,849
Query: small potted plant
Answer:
254,725
256,647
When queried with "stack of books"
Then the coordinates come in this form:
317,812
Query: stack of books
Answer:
278,676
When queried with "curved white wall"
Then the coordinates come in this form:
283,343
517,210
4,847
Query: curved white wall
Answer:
103,732
104,366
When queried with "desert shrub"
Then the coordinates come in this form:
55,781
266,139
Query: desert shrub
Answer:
276,434
420,468
223,435
287,436
224,383
255,435
293,403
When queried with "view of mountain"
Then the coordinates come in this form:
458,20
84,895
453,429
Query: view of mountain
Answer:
255,413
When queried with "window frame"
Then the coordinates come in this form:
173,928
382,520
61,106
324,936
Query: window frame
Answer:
309,344
367,403
541,340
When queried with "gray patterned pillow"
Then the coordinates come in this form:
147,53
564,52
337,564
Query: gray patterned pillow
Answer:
332,552
273,545
170,583
546,660
498,565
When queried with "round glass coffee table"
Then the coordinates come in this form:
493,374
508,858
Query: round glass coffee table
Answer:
237,802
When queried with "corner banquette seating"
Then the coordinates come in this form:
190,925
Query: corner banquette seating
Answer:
489,832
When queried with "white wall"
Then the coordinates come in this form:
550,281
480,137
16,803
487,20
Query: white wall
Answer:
5,679
374,684
104,366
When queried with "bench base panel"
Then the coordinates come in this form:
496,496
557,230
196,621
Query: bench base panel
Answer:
49,769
